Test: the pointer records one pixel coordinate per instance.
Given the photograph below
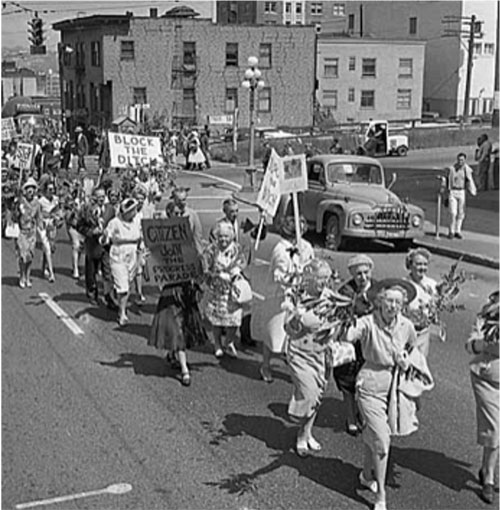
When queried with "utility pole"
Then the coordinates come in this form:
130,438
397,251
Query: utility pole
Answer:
496,100
470,64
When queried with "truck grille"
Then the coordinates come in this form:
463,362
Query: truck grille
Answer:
388,219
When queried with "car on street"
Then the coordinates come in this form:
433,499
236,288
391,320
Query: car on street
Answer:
347,197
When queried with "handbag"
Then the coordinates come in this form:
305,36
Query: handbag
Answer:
12,230
241,292
342,353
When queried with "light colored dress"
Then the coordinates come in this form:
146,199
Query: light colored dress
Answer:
48,228
379,344
220,266
267,322
124,238
28,215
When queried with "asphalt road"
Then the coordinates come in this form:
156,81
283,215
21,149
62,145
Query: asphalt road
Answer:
80,413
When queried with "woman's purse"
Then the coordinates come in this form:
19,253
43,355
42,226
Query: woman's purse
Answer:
12,230
241,292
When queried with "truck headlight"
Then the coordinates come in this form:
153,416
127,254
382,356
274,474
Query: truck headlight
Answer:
357,219
416,221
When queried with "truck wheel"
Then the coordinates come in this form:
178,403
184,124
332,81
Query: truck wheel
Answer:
402,150
333,236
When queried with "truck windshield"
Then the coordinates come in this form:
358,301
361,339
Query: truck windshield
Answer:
350,172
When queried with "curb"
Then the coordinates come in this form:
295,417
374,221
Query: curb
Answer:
472,258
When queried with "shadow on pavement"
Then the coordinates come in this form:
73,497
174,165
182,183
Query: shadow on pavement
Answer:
333,474
10,281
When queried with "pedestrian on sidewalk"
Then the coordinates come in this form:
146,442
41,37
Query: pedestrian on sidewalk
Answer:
484,371
483,158
496,165
82,148
459,179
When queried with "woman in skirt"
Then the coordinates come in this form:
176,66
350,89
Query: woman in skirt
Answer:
28,215
484,371
177,323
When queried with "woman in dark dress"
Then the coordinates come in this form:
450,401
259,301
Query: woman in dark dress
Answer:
177,324
360,267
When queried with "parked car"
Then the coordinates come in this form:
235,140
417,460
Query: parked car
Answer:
379,142
347,197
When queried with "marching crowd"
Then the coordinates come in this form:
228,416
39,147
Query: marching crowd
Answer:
371,336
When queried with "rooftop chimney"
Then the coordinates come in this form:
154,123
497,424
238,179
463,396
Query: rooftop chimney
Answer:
153,12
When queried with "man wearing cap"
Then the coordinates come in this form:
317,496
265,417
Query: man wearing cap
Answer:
361,268
82,147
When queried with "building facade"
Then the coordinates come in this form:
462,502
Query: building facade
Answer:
17,81
183,69
361,80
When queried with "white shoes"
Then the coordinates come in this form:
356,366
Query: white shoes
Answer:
231,351
370,485
380,505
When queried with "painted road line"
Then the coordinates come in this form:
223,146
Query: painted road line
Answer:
204,211
210,197
239,187
261,262
61,314
260,297
117,488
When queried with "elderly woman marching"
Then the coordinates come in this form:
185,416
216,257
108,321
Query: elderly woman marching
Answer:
419,309
27,214
485,376
361,268
287,261
124,234
309,335
387,340
223,263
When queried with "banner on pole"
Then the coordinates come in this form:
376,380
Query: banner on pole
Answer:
174,258
8,129
133,150
24,155
269,194
294,173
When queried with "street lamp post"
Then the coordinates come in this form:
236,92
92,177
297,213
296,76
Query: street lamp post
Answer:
252,82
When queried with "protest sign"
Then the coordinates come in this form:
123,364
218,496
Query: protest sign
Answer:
24,155
269,194
174,258
133,150
294,173
8,129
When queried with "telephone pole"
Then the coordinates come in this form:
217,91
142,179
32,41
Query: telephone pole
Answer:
470,64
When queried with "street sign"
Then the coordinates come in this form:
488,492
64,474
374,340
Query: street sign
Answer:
220,119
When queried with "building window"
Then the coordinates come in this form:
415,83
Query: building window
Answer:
350,95
189,53
80,96
288,7
478,49
404,99
94,97
489,49
405,67
270,7
264,100
331,68
316,7
140,96
330,99
298,9
352,63
80,54
350,23
71,94
66,56
231,100
127,51
95,51
339,9
413,26
231,54
369,67
265,56
367,99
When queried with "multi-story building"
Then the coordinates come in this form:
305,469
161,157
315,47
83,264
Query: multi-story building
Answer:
17,81
184,69
360,79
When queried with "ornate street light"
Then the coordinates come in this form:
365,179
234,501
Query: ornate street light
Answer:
252,82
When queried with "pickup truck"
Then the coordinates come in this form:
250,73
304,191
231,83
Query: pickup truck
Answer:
347,197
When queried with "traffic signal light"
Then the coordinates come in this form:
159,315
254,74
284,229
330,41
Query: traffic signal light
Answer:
36,36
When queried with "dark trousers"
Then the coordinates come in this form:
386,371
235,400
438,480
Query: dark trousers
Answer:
92,266
245,334
81,162
495,173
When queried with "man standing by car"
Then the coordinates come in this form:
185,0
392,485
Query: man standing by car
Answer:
483,157
459,179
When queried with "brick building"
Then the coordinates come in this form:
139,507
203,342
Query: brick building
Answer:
184,69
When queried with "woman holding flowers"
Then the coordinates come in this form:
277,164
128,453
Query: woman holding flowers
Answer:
223,263
483,343
287,261
421,308
309,334
386,338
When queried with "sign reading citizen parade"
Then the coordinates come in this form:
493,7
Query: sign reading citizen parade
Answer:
270,190
294,173
174,258
24,155
8,129
133,150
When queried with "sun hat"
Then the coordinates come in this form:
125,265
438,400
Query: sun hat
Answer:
360,259
128,205
390,283
30,183
78,129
